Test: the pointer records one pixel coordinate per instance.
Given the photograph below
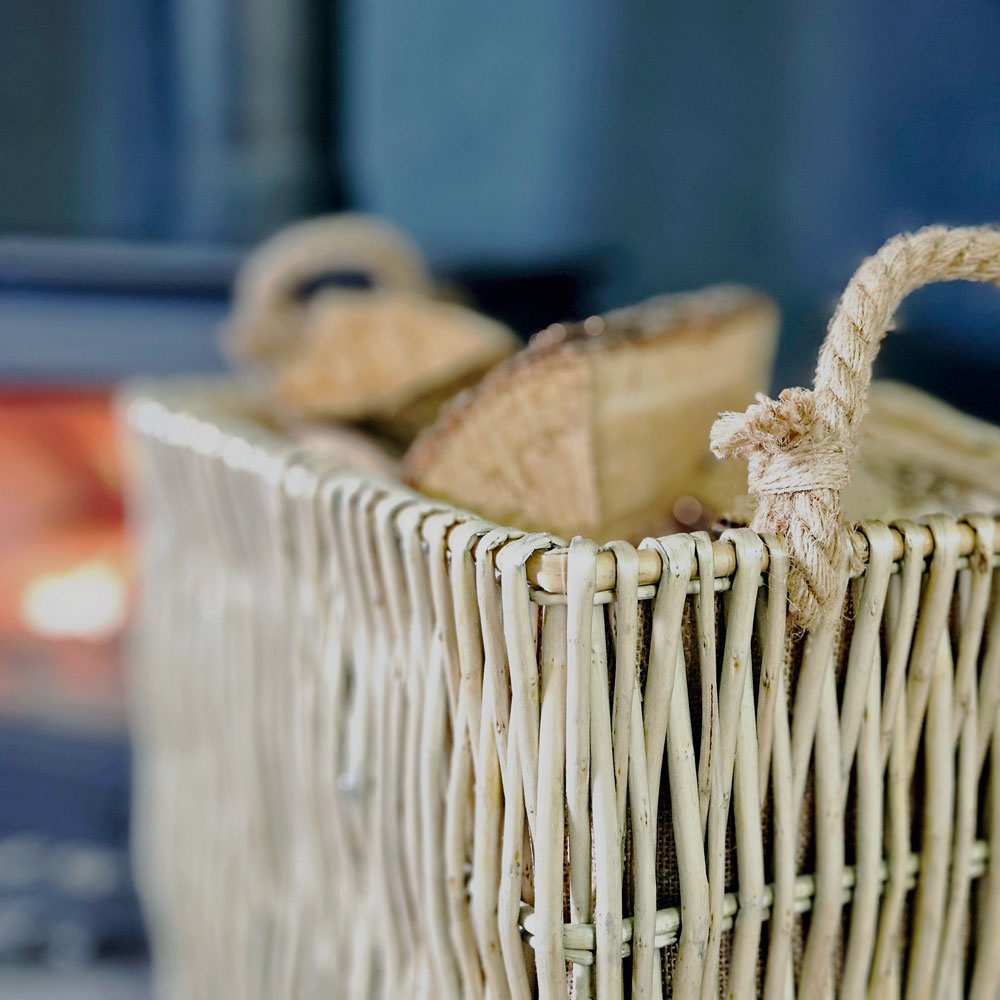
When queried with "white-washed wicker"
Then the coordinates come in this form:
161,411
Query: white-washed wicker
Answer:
388,749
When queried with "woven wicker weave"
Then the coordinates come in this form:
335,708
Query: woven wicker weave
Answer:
386,748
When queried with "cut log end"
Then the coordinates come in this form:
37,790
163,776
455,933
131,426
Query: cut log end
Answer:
599,428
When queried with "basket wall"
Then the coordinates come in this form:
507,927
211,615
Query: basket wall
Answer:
373,761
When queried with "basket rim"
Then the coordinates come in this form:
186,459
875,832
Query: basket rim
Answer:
217,398
547,571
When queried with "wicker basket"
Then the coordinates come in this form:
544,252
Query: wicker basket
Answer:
386,748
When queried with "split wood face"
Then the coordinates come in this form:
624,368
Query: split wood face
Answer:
599,428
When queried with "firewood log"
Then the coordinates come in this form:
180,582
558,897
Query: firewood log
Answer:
597,428
342,316
919,455
386,358
348,446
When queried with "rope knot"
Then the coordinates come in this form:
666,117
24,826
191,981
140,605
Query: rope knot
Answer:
767,425
789,448
798,466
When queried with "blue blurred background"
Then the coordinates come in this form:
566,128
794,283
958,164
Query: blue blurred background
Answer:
556,157
633,146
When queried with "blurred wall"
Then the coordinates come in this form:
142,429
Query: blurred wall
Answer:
203,120
651,145
775,142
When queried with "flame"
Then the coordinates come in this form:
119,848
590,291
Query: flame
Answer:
86,602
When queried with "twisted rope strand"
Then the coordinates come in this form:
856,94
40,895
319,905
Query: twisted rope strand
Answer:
801,447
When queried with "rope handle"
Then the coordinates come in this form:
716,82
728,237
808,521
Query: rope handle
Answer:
270,283
308,250
801,446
